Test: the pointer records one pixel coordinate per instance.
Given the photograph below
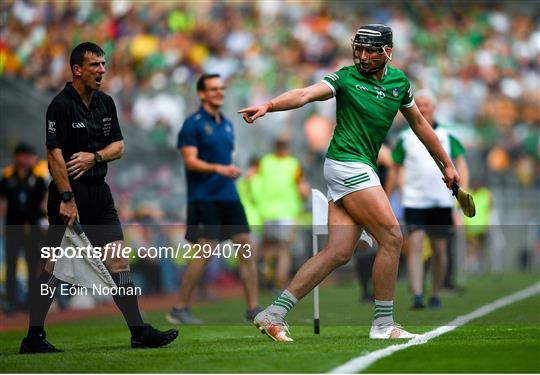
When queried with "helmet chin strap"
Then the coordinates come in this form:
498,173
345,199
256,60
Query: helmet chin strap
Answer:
388,56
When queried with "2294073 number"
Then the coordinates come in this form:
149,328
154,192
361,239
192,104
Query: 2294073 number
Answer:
226,250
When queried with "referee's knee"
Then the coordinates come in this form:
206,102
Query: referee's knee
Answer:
117,264
49,266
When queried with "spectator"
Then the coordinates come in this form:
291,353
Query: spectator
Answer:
283,191
427,201
24,188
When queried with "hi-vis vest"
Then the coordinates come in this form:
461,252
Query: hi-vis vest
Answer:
280,198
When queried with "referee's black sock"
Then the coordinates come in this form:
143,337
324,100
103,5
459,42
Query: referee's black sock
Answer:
128,304
40,303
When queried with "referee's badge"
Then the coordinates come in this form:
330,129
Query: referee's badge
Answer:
395,92
51,128
208,129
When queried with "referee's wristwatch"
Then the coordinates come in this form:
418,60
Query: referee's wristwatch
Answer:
66,196
98,158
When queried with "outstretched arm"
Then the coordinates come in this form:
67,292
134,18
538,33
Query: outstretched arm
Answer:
289,100
425,133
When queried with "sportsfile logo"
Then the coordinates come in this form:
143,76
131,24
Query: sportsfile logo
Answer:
78,125
119,251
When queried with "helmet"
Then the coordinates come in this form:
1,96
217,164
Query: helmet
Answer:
374,36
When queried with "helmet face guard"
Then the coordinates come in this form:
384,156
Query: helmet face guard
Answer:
375,38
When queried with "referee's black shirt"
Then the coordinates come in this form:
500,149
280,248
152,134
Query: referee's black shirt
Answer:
73,127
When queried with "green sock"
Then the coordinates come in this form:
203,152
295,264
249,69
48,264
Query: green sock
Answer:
283,304
383,313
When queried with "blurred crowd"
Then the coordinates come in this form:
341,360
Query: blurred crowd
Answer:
481,59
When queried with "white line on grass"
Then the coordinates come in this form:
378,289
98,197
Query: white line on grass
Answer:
358,364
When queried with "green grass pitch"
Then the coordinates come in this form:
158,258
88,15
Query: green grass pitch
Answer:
507,340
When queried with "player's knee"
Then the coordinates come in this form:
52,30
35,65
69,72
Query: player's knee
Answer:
393,240
342,256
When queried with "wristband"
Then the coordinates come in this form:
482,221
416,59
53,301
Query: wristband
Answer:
66,196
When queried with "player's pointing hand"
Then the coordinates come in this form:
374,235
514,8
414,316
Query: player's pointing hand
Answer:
254,112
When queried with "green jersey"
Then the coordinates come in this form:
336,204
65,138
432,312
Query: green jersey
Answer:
365,111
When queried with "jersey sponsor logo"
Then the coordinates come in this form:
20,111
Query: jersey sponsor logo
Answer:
361,87
51,126
106,119
395,92
333,76
78,125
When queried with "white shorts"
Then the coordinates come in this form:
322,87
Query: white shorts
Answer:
345,177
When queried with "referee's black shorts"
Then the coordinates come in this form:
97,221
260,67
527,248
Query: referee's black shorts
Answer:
436,221
97,214
215,220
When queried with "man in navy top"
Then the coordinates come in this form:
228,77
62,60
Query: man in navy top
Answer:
215,213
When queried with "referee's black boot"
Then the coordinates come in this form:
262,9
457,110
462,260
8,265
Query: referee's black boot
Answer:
37,344
152,338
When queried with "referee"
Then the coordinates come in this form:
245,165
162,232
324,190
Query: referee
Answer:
83,135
